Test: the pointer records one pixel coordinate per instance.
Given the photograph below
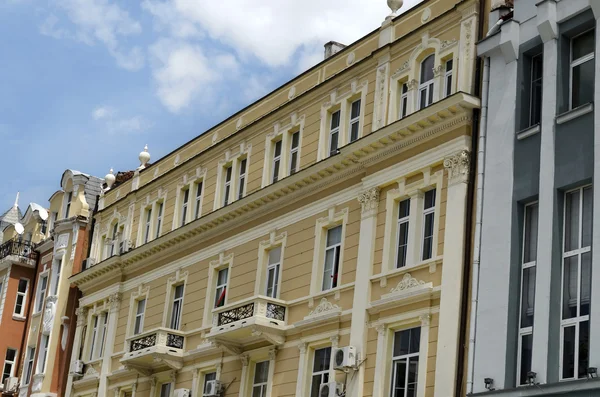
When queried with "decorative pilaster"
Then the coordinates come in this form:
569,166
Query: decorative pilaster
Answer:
195,385
423,354
595,305
381,94
245,359
380,363
114,302
458,167
152,382
302,365
134,389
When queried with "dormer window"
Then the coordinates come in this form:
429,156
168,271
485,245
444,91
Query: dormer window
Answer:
426,82
68,199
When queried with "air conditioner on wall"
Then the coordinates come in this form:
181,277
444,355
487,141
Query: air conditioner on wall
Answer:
11,385
331,389
344,357
213,388
181,393
77,367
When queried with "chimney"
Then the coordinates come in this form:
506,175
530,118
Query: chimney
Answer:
332,48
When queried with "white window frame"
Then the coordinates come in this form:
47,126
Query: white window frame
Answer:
531,87
138,326
577,320
199,188
40,294
336,248
326,372
227,177
55,275
166,389
334,131
573,63
8,362
147,224
67,206
400,222
448,74
205,380
29,361
525,266
332,220
426,213
160,209
263,386
221,288
277,161
42,354
175,319
294,150
354,120
275,268
23,295
406,357
427,86
184,205
99,326
403,103
242,177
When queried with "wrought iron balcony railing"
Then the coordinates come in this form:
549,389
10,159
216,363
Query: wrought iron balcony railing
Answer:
268,309
20,249
160,337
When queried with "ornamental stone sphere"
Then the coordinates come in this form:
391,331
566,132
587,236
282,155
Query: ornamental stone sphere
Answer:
395,5
144,157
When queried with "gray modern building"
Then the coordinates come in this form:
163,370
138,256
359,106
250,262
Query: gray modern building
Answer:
535,324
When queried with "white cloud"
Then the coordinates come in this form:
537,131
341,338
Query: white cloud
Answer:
98,21
116,125
102,112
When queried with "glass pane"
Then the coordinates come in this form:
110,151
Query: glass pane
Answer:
583,84
570,284
277,148
10,354
572,221
429,199
355,112
354,131
407,341
568,358
243,167
295,139
526,349
399,381
586,283
404,209
328,269
584,349
276,170
586,218
228,174
293,162
413,372
531,232
448,85
404,106
422,98
179,291
427,69
449,65
428,237
141,306
261,373
315,385
335,120
257,391
583,45
22,285
334,236
334,143
430,97
402,244
322,359
528,297
222,276
274,255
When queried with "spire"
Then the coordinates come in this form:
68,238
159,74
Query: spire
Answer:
17,200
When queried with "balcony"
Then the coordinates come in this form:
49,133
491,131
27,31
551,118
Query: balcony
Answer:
15,252
155,350
254,320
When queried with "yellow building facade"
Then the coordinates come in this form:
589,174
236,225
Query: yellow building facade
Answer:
312,243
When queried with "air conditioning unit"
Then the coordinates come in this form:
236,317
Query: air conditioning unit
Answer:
77,367
213,388
181,393
344,357
11,385
331,389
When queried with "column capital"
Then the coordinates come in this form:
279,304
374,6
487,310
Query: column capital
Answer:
380,329
272,353
114,301
425,319
81,313
335,341
458,167
302,346
245,359
369,201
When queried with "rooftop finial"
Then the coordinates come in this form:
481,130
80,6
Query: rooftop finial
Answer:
17,200
144,158
394,5
109,179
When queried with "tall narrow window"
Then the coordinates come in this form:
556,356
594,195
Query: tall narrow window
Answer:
177,307
426,82
582,69
403,215
535,90
184,205
354,120
41,292
221,287
148,226
165,389
138,325
103,328
405,362
43,353
68,204
428,219
94,337
448,78
198,210
276,160
21,297
261,379
227,186
273,269
56,276
44,227
29,364
294,152
403,101
332,258
242,179
115,234
207,378
576,283
9,363
159,217
334,132
320,370
528,262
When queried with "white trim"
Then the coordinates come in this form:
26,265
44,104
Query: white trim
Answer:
573,63
574,113
23,310
39,296
223,261
531,131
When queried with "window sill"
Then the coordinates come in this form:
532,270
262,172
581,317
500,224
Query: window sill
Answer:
37,314
430,263
530,131
574,113
18,318
94,361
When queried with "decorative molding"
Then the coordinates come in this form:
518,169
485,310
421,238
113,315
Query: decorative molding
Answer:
350,58
49,313
404,68
438,70
425,15
380,328
406,283
458,167
81,313
239,123
324,307
292,92
425,319
273,353
302,346
90,371
369,202
245,359
412,84
381,91
447,44
114,301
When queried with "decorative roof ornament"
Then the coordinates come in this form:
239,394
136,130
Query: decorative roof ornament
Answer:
395,5
144,158
110,179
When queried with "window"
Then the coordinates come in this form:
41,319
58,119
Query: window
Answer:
56,276
334,132
354,120
103,328
273,269
115,235
403,101
165,390
21,297
177,307
41,292
426,82
9,363
320,372
405,363
428,219
294,152
53,219
535,89
221,290
159,216
184,205
403,215
276,160
68,203
94,336
576,283
207,378
99,327
44,227
242,179
138,325
582,69
148,225
198,210
528,262
448,78
332,258
43,354
227,186
29,365
261,379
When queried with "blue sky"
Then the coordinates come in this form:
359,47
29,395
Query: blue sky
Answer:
85,84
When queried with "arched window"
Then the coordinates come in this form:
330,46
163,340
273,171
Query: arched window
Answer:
426,82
